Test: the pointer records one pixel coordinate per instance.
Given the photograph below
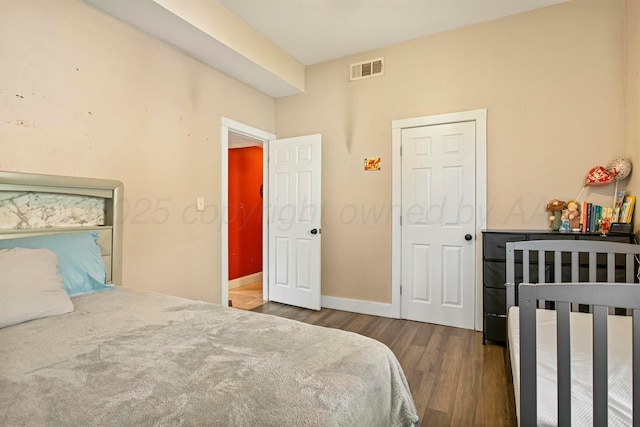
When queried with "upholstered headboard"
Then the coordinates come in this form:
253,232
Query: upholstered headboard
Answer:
34,204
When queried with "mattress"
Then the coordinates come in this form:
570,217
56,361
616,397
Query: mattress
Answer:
619,360
125,357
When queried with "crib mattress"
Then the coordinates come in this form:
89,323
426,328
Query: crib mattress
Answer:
620,371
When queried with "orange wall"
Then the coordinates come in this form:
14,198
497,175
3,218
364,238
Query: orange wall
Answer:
245,211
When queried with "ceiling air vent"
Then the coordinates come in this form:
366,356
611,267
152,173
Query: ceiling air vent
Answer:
371,68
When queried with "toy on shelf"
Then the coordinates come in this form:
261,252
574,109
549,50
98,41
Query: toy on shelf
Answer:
572,216
555,208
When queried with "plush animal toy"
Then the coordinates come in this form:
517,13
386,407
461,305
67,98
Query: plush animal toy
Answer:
572,213
555,208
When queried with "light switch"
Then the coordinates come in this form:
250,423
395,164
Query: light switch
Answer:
200,203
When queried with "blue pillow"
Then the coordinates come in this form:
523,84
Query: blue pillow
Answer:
79,259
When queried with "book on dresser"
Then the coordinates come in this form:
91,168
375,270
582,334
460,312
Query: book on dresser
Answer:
617,206
597,218
626,211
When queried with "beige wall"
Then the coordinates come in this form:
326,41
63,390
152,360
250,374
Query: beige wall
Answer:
632,90
86,95
551,81
83,94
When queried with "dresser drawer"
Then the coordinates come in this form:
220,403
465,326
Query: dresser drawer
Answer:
495,301
495,328
495,244
495,273
620,238
549,236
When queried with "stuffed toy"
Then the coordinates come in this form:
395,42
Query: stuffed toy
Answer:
555,208
572,213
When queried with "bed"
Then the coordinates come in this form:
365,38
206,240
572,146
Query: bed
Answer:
83,350
574,332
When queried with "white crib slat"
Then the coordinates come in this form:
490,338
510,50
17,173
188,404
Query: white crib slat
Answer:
564,363
631,270
600,366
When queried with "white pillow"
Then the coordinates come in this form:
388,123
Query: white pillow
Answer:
30,286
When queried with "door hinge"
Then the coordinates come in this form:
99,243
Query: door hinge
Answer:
400,220
400,290
401,150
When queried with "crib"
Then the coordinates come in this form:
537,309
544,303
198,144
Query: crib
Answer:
574,334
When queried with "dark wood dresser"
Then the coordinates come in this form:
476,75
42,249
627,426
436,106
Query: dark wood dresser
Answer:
494,272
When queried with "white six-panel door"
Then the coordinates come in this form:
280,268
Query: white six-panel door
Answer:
294,221
438,216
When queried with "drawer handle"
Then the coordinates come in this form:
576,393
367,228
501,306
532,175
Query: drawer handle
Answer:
495,315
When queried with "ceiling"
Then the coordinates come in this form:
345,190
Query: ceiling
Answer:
311,31
316,31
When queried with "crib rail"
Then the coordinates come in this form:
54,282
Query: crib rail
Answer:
575,248
600,296
573,261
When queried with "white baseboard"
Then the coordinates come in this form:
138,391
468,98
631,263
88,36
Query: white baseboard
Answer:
357,306
245,280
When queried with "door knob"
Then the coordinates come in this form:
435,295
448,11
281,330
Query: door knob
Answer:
468,237
314,231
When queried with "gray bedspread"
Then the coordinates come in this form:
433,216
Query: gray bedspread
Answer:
125,357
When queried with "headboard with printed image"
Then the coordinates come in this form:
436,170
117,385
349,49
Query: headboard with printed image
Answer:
40,205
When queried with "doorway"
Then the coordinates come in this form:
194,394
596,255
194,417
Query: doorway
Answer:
291,233
249,287
245,218
439,186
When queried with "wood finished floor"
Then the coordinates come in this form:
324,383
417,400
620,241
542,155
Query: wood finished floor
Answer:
246,297
454,379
